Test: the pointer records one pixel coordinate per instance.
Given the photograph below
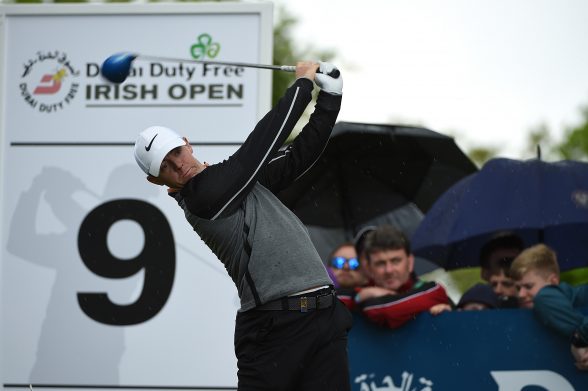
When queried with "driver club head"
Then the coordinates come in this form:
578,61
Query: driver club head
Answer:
117,67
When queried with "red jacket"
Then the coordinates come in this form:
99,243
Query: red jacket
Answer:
393,311
347,296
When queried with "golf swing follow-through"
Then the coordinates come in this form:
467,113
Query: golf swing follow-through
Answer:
291,330
117,67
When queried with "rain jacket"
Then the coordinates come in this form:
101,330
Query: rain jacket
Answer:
232,205
558,307
414,297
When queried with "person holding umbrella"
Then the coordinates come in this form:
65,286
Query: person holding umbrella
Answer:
556,304
291,331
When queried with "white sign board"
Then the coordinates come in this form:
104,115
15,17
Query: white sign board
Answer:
103,282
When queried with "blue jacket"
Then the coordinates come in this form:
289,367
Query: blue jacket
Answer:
558,307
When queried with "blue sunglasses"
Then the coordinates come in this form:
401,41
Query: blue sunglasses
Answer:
339,263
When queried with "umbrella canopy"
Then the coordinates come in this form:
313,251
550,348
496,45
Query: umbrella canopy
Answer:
373,174
541,202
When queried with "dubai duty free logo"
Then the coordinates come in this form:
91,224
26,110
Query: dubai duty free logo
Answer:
48,81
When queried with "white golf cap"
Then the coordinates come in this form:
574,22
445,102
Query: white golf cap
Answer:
152,145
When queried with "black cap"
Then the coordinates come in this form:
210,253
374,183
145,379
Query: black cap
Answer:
359,239
480,293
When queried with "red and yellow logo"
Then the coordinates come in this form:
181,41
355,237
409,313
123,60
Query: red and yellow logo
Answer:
48,82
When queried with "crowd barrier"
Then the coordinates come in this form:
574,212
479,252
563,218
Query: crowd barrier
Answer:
504,350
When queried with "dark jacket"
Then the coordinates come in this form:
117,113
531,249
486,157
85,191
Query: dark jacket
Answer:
232,205
414,297
558,307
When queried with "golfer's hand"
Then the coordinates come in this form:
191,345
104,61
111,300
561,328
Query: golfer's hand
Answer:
306,69
327,83
581,357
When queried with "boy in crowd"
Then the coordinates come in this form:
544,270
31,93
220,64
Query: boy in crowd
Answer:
556,304
501,282
502,246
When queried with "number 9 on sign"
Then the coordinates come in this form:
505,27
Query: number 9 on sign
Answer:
157,259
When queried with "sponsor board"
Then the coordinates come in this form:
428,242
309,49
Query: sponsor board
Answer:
103,282
490,350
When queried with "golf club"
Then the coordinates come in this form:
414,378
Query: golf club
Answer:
117,67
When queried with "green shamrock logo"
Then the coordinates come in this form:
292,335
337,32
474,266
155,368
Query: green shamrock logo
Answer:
205,47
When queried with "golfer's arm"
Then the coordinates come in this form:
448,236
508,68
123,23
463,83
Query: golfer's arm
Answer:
220,187
289,164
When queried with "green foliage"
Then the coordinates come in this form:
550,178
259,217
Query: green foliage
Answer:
286,52
541,143
480,155
576,276
575,143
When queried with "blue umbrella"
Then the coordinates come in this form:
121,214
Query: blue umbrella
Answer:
542,202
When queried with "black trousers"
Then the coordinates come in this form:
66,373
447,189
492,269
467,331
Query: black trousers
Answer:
289,350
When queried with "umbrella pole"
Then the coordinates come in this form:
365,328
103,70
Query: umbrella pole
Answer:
538,152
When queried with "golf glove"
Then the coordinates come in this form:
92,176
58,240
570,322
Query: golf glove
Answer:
327,83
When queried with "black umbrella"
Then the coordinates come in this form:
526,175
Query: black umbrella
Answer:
373,174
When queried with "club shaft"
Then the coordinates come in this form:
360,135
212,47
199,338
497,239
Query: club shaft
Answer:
286,68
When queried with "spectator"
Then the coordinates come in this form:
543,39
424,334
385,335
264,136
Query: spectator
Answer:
478,297
345,268
359,240
556,304
532,270
397,295
502,245
346,272
502,283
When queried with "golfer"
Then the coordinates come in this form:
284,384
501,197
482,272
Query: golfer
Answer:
291,331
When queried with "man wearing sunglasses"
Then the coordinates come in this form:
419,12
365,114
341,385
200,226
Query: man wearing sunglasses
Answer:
345,268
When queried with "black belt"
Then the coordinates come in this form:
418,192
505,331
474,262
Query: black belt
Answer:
323,298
